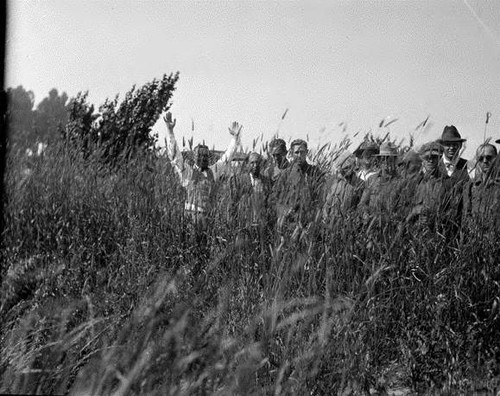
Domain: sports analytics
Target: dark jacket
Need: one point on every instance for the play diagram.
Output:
(250, 202)
(297, 193)
(460, 173)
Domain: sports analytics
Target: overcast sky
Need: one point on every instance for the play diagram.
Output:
(328, 62)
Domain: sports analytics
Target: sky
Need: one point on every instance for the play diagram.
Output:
(339, 67)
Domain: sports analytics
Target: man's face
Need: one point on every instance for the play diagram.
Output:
(254, 165)
(299, 154)
(451, 149)
(413, 167)
(202, 158)
(485, 158)
(348, 167)
(430, 161)
(366, 159)
(388, 165)
(279, 157)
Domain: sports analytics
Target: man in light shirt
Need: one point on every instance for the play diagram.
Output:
(198, 178)
(366, 157)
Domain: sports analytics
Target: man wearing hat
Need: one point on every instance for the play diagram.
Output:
(430, 191)
(382, 189)
(456, 168)
(451, 163)
(366, 159)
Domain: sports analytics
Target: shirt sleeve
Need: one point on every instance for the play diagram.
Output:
(227, 156)
(174, 154)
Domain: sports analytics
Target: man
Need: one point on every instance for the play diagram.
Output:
(198, 178)
(473, 195)
(297, 191)
(345, 190)
(278, 151)
(250, 191)
(366, 157)
(451, 163)
(381, 188)
(455, 168)
(251, 187)
(430, 190)
(410, 164)
(485, 155)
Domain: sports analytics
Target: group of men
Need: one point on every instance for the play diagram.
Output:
(378, 180)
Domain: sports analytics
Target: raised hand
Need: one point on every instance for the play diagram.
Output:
(235, 129)
(168, 121)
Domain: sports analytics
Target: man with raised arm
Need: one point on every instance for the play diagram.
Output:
(198, 179)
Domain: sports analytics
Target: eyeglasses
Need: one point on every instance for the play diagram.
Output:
(487, 158)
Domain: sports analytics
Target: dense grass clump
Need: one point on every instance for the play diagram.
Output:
(107, 289)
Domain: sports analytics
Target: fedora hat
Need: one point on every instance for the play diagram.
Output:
(387, 150)
(450, 134)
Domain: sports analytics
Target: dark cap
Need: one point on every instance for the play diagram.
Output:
(430, 148)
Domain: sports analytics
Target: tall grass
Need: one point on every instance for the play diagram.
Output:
(107, 290)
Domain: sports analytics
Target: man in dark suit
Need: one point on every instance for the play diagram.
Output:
(297, 192)
(455, 167)
(250, 190)
(278, 151)
(451, 163)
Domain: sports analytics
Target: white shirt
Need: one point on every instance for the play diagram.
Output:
(450, 165)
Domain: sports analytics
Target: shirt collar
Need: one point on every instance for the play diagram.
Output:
(447, 162)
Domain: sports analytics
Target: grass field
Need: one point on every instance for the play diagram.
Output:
(106, 291)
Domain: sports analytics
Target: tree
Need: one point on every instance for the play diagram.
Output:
(121, 130)
(51, 116)
(20, 117)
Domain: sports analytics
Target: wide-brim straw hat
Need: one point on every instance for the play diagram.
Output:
(387, 150)
(450, 135)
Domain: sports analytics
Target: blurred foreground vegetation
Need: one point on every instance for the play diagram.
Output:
(100, 294)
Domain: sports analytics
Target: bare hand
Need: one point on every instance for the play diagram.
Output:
(168, 121)
(235, 129)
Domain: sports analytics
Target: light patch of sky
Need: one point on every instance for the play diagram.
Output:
(328, 62)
